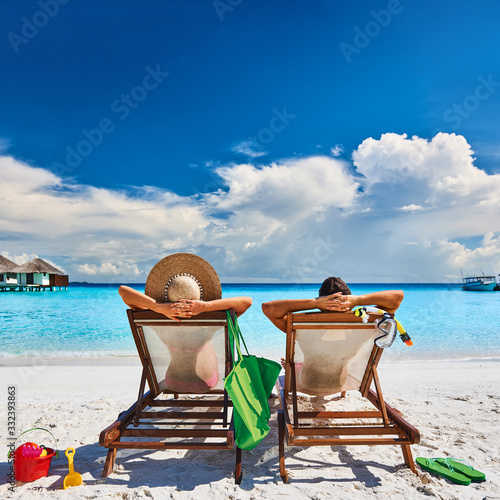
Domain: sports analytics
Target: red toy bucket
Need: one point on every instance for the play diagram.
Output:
(28, 469)
(31, 468)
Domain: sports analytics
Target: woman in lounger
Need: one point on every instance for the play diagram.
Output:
(182, 286)
(184, 307)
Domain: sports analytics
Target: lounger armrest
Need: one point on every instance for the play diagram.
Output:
(148, 314)
(109, 434)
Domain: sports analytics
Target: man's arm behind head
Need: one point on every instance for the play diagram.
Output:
(388, 300)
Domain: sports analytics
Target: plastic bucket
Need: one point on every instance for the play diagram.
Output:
(28, 469)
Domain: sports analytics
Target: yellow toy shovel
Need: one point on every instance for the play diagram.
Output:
(73, 478)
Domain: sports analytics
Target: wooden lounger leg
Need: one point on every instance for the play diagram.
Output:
(237, 471)
(281, 446)
(408, 457)
(109, 463)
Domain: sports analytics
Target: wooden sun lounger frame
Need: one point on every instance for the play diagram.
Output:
(391, 429)
(136, 422)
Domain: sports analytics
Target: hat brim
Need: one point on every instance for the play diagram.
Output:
(179, 264)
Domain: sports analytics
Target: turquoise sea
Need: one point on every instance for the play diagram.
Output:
(444, 321)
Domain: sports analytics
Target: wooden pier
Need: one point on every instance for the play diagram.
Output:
(30, 288)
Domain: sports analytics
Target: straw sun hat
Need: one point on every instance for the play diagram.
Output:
(183, 276)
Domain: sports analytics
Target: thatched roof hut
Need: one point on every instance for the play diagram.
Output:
(36, 266)
(6, 265)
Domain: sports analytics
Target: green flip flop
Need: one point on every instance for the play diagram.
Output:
(462, 466)
(432, 466)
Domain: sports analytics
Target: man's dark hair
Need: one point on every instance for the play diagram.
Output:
(333, 285)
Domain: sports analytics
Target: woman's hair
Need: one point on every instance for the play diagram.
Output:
(333, 285)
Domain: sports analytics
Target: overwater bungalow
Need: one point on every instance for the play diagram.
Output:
(7, 276)
(35, 275)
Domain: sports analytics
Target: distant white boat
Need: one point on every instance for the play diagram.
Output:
(480, 283)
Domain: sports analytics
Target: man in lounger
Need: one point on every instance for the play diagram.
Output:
(334, 296)
(181, 286)
(320, 378)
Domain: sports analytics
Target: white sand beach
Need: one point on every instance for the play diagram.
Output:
(455, 405)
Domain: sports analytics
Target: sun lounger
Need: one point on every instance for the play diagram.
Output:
(327, 354)
(186, 406)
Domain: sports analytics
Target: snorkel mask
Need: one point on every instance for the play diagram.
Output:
(387, 325)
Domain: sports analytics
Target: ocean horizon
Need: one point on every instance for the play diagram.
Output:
(89, 320)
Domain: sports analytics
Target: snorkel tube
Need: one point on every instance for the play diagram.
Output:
(362, 312)
(403, 335)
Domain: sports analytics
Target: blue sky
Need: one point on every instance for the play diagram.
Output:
(202, 113)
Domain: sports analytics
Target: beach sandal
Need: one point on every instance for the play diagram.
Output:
(431, 465)
(462, 466)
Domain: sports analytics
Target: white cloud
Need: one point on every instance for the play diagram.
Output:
(412, 208)
(4, 145)
(249, 148)
(439, 172)
(301, 219)
(285, 191)
(20, 179)
(20, 258)
(489, 248)
(109, 269)
(81, 222)
(337, 150)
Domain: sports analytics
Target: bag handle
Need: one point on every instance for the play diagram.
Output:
(231, 335)
(235, 332)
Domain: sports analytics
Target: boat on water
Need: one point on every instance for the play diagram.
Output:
(480, 283)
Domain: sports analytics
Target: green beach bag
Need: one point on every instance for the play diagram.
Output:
(249, 386)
